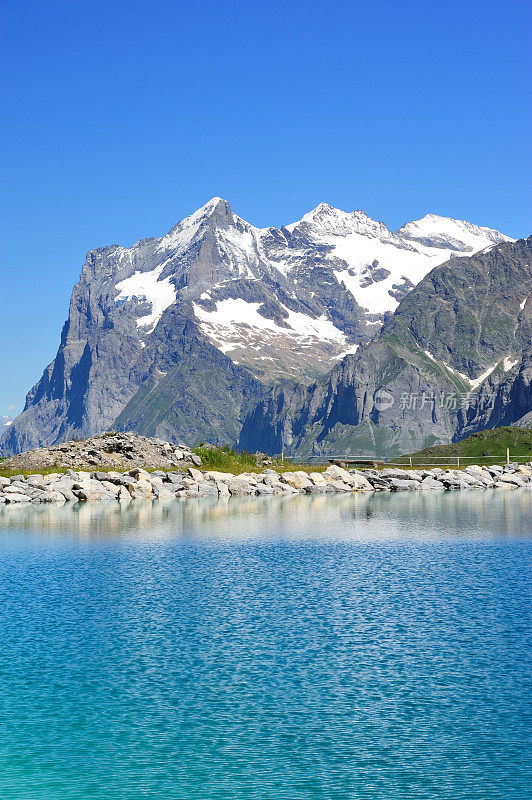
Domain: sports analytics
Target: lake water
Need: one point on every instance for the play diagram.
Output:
(329, 647)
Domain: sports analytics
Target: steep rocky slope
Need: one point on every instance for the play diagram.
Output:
(452, 359)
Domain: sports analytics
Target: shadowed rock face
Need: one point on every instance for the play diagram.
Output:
(501, 401)
(419, 382)
(179, 336)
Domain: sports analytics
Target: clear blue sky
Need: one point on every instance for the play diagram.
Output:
(121, 117)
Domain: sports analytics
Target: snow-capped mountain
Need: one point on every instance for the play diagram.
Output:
(179, 334)
(322, 285)
(378, 267)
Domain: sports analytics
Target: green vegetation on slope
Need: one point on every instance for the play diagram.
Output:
(487, 446)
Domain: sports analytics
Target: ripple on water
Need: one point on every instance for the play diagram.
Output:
(346, 647)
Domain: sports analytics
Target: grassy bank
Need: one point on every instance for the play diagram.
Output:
(224, 459)
(484, 447)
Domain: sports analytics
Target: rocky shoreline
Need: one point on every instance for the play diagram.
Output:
(188, 482)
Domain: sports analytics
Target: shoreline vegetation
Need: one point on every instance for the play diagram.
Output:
(125, 467)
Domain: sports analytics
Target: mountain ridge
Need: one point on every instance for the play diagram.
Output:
(474, 313)
(260, 305)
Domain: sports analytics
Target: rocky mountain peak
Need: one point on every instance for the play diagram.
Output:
(327, 220)
(214, 212)
(453, 234)
(217, 214)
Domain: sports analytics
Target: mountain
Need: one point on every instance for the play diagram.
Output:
(455, 357)
(5, 422)
(182, 335)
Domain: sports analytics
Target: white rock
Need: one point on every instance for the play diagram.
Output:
(336, 473)
(513, 479)
(431, 483)
(17, 497)
(112, 488)
(300, 481)
(196, 474)
(141, 489)
(223, 491)
(474, 470)
(213, 475)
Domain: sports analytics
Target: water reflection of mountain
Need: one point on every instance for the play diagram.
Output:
(357, 517)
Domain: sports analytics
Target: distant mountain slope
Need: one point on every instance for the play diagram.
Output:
(460, 338)
(258, 305)
(192, 391)
(5, 422)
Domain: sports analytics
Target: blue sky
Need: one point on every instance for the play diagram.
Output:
(121, 117)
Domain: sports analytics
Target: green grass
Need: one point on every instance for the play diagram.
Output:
(488, 446)
(8, 473)
(225, 459)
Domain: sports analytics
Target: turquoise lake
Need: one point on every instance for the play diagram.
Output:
(328, 647)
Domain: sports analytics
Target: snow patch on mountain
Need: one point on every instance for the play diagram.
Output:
(457, 235)
(147, 286)
(446, 366)
(239, 249)
(349, 352)
(475, 383)
(235, 319)
(509, 362)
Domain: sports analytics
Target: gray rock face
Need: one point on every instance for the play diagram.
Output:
(517, 480)
(238, 487)
(502, 400)
(431, 483)
(177, 336)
